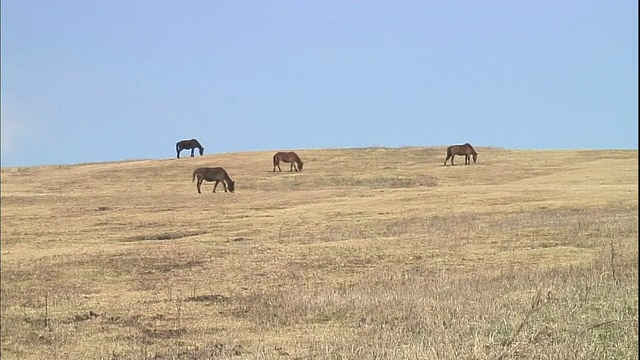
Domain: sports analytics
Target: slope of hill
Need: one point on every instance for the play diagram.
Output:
(366, 253)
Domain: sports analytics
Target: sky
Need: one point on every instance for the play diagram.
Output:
(101, 81)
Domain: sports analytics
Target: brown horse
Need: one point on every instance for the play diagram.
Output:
(217, 174)
(287, 157)
(189, 144)
(466, 149)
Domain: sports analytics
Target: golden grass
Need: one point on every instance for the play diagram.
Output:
(367, 253)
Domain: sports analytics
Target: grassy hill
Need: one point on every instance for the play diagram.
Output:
(367, 253)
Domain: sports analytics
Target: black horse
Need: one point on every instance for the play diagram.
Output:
(465, 149)
(188, 144)
(217, 174)
(287, 157)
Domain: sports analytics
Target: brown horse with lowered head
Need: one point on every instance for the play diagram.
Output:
(189, 144)
(217, 174)
(287, 157)
(465, 149)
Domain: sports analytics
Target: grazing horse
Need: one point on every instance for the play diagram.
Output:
(287, 157)
(466, 149)
(217, 174)
(188, 144)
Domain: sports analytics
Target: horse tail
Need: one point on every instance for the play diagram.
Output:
(275, 159)
(193, 178)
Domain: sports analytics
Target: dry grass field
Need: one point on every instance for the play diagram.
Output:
(375, 253)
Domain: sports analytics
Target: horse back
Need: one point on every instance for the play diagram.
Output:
(210, 174)
(188, 144)
(217, 173)
(286, 156)
(463, 149)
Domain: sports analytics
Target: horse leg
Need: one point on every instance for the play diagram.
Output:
(178, 151)
(192, 152)
(224, 184)
(198, 185)
(276, 163)
(452, 156)
(447, 159)
(215, 185)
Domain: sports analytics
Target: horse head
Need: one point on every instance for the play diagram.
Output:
(475, 157)
(231, 185)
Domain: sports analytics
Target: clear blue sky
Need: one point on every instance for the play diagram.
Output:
(93, 81)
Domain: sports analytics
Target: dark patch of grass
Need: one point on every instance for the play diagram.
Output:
(208, 298)
(164, 236)
(156, 333)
